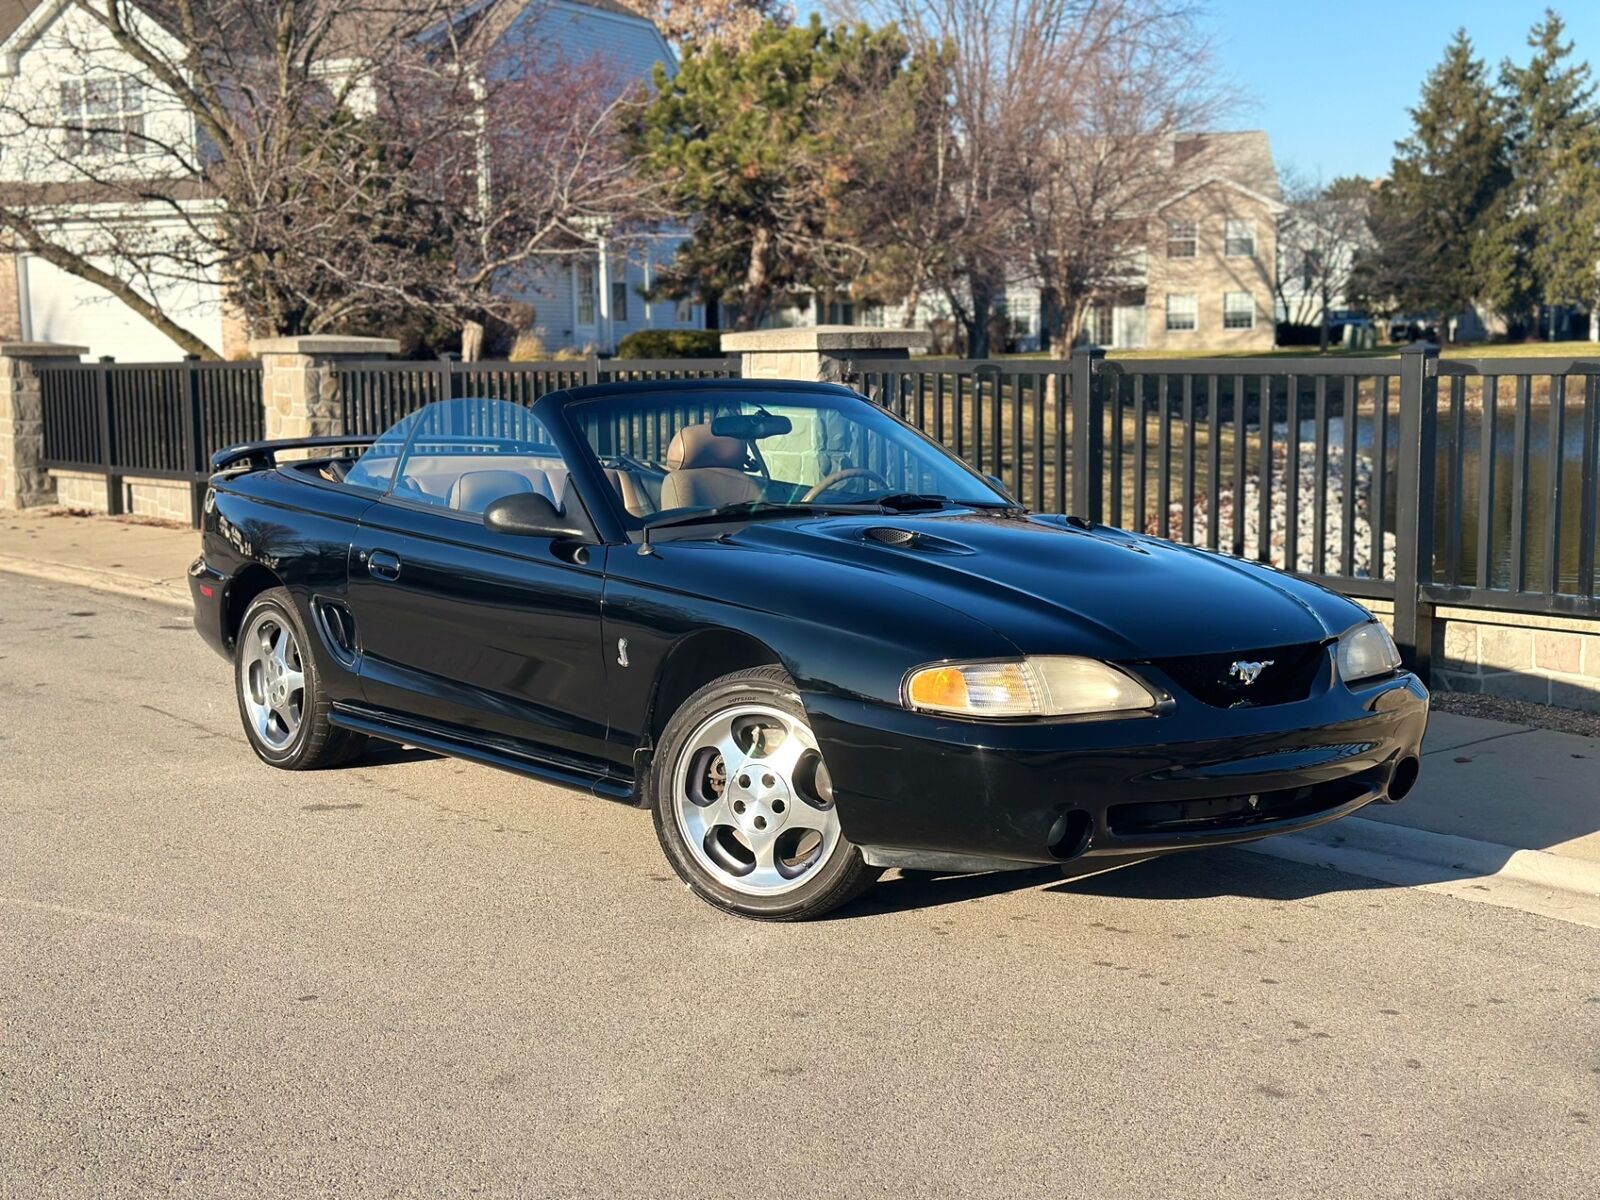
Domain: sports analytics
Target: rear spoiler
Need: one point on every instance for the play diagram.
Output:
(257, 456)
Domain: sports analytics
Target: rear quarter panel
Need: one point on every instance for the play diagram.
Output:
(295, 530)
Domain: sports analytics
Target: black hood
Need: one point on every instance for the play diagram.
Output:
(1050, 586)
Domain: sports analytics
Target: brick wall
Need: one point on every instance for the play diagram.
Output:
(1520, 656)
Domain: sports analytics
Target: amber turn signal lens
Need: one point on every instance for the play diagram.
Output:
(942, 687)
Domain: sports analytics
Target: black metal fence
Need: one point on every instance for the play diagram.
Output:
(1413, 479)
(150, 420)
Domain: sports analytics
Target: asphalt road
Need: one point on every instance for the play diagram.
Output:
(421, 977)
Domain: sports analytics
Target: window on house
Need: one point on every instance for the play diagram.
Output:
(1240, 239)
(586, 292)
(1183, 313)
(1183, 239)
(683, 312)
(619, 300)
(1100, 325)
(102, 117)
(1238, 310)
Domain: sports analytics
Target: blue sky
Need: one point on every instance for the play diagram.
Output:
(1331, 82)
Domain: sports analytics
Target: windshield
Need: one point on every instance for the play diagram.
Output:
(673, 456)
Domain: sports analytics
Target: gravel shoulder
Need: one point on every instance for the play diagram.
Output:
(1519, 712)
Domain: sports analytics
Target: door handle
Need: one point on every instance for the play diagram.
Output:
(383, 565)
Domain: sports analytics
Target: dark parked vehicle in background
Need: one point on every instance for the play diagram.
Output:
(813, 643)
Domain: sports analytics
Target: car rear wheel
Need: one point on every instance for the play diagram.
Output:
(744, 804)
(282, 702)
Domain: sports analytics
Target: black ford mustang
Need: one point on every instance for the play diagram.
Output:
(811, 641)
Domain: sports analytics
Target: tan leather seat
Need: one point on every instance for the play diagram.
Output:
(474, 491)
(634, 498)
(704, 471)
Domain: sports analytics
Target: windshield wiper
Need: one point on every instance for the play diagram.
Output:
(759, 508)
(914, 501)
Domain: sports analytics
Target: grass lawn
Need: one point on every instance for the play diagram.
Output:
(1466, 350)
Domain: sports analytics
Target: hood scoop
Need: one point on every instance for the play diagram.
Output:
(888, 535)
(897, 538)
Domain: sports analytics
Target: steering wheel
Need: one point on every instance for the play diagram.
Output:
(838, 477)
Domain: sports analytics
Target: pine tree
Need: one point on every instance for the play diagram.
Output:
(1554, 138)
(1433, 215)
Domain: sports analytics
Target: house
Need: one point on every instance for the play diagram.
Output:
(1204, 280)
(585, 301)
(1212, 251)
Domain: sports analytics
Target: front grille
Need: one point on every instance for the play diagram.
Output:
(1222, 813)
(1292, 673)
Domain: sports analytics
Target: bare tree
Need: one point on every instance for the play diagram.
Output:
(1322, 234)
(1116, 82)
(334, 165)
(968, 194)
(730, 23)
(1062, 117)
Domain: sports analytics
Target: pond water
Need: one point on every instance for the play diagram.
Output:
(1464, 528)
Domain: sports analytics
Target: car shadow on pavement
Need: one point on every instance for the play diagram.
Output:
(1206, 874)
(392, 754)
(1195, 875)
(908, 890)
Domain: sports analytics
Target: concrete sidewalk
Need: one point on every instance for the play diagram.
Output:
(131, 556)
(1503, 813)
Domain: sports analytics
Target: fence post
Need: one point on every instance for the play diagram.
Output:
(194, 430)
(300, 382)
(818, 352)
(1088, 432)
(108, 436)
(1414, 504)
(23, 482)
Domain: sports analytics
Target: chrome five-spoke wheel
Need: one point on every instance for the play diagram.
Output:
(274, 682)
(754, 801)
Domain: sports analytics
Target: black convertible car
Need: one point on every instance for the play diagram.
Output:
(813, 643)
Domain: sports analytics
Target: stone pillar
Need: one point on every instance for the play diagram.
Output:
(298, 383)
(24, 483)
(818, 352)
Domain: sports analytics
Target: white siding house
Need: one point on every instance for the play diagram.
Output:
(578, 301)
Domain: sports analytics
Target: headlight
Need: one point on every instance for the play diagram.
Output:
(1033, 687)
(1365, 651)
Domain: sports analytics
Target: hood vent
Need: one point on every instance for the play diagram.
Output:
(888, 535)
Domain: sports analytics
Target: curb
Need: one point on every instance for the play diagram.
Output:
(1535, 881)
(163, 591)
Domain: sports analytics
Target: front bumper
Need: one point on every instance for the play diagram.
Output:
(910, 784)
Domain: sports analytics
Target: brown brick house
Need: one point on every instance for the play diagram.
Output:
(1208, 264)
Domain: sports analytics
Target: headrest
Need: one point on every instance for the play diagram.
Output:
(476, 490)
(695, 446)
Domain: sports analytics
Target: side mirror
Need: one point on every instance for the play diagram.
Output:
(530, 514)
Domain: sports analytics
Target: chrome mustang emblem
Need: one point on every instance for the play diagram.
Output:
(1248, 672)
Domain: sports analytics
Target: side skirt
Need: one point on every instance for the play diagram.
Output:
(453, 744)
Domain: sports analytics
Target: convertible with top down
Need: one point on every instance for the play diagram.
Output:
(813, 643)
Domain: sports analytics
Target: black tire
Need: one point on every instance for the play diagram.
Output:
(314, 743)
(831, 883)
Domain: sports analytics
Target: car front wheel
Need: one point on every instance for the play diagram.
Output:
(744, 804)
